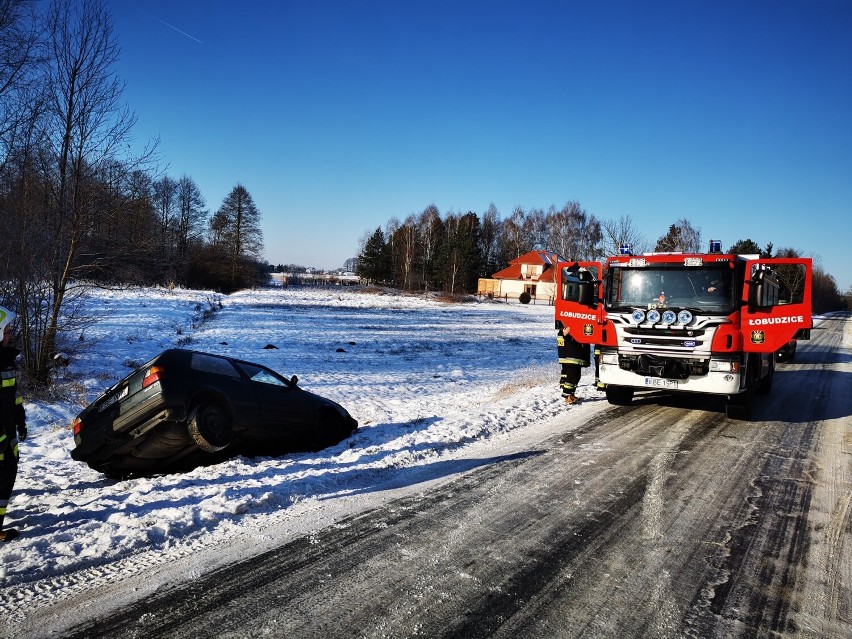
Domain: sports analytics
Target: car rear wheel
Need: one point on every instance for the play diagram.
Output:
(210, 427)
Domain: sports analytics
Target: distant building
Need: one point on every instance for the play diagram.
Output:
(533, 273)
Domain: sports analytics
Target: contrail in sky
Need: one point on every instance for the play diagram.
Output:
(171, 26)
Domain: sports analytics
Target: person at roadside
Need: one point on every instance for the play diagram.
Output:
(573, 356)
(13, 424)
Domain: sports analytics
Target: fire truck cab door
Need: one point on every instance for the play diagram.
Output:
(578, 300)
(776, 303)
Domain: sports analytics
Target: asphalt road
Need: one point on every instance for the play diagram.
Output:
(662, 519)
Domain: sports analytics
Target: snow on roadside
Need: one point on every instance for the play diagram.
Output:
(425, 379)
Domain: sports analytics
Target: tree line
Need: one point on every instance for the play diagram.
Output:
(431, 251)
(450, 252)
(76, 207)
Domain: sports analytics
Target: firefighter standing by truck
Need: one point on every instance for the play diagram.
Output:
(12, 420)
(573, 356)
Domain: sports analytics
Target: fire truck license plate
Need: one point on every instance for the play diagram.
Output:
(659, 382)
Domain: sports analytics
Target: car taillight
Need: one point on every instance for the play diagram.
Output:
(77, 425)
(152, 375)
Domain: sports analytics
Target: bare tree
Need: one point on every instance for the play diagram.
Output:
(459, 260)
(391, 227)
(534, 229)
(165, 203)
(681, 236)
(84, 124)
(622, 232)
(430, 227)
(514, 242)
(490, 238)
(405, 252)
(18, 45)
(21, 106)
(792, 276)
(566, 227)
(192, 216)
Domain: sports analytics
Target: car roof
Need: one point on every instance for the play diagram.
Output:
(170, 351)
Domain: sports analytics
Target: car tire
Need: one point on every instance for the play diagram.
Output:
(210, 427)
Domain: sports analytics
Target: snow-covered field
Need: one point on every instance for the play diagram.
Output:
(430, 383)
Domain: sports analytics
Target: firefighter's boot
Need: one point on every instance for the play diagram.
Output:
(6, 534)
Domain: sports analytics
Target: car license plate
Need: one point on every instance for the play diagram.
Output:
(112, 400)
(659, 382)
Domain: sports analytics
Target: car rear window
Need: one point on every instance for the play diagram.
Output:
(210, 364)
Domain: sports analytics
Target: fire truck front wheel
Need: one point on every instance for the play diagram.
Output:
(740, 406)
(764, 387)
(619, 395)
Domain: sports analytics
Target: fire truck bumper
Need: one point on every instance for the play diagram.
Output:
(714, 382)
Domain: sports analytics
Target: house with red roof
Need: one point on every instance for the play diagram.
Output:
(530, 277)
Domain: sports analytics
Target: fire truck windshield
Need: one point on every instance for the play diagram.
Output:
(703, 290)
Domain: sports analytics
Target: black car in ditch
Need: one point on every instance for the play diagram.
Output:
(187, 408)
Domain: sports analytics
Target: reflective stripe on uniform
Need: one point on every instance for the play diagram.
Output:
(572, 360)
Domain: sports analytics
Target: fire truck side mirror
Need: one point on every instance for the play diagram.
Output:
(763, 292)
(586, 293)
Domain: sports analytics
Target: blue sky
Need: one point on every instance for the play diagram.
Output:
(337, 116)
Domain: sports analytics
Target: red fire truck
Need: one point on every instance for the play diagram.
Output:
(697, 322)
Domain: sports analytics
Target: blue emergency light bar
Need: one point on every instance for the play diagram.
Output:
(715, 246)
(626, 249)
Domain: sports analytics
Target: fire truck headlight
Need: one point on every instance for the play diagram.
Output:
(669, 317)
(684, 317)
(638, 316)
(653, 316)
(609, 358)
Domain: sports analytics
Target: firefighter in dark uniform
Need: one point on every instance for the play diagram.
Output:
(573, 356)
(12, 420)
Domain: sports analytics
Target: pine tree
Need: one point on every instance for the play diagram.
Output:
(374, 262)
(236, 231)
